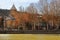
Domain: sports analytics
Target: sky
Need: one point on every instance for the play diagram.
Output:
(7, 4)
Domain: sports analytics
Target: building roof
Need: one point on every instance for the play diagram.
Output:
(4, 12)
(13, 7)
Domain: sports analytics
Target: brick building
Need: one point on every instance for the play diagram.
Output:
(14, 19)
(18, 20)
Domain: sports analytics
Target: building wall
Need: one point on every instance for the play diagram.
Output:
(22, 17)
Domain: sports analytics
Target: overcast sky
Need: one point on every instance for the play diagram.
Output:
(6, 4)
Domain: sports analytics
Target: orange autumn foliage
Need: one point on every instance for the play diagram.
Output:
(23, 17)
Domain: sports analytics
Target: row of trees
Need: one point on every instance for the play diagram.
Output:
(43, 6)
(48, 7)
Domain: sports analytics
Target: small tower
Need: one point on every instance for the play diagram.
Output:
(13, 7)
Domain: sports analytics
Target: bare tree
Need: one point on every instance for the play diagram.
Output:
(55, 7)
(43, 6)
(31, 8)
(21, 9)
(54, 11)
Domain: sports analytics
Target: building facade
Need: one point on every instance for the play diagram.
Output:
(13, 19)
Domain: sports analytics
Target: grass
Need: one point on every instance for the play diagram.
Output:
(29, 36)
